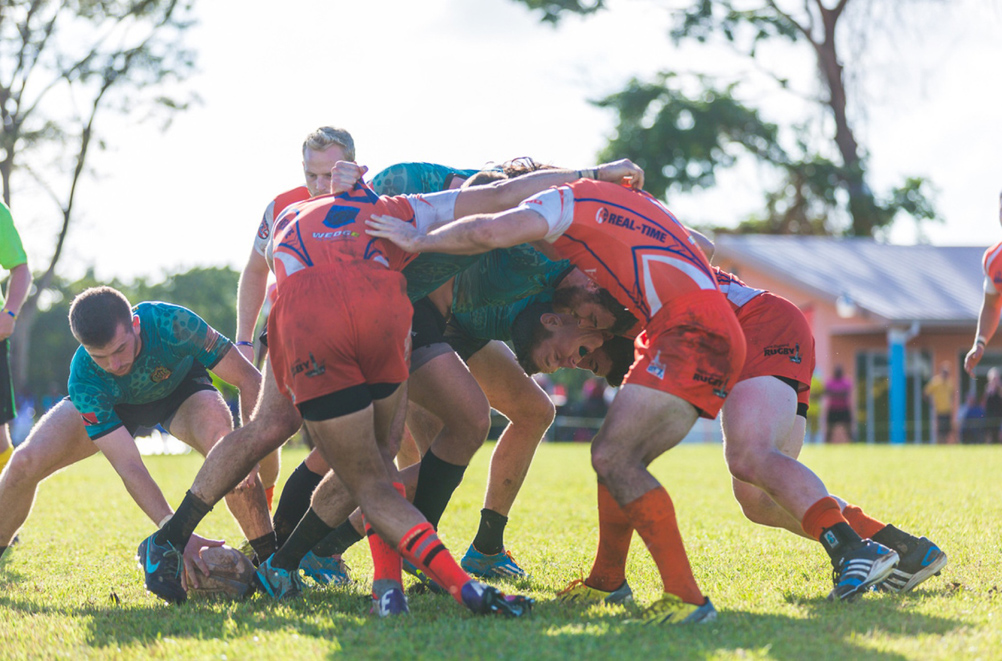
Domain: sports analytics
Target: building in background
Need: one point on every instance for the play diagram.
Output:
(888, 314)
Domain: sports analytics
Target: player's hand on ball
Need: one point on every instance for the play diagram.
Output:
(192, 557)
(620, 171)
(395, 230)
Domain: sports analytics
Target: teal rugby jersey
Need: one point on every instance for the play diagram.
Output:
(428, 271)
(172, 337)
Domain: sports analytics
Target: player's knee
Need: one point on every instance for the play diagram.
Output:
(25, 467)
(537, 413)
(605, 461)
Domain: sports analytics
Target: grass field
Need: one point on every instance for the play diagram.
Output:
(71, 588)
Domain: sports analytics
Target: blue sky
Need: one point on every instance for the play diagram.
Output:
(462, 83)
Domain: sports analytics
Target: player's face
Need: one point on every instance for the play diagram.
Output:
(317, 166)
(118, 356)
(591, 314)
(598, 361)
(566, 346)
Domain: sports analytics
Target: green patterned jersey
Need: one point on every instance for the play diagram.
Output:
(428, 271)
(505, 275)
(495, 322)
(172, 338)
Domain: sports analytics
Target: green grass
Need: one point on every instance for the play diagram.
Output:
(72, 589)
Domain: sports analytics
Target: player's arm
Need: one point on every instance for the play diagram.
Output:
(17, 292)
(235, 369)
(250, 297)
(505, 194)
(467, 236)
(120, 449)
(988, 322)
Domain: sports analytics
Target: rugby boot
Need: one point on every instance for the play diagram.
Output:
(486, 600)
(670, 609)
(499, 565)
(162, 566)
(578, 592)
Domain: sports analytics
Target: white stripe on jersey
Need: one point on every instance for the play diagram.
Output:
(738, 293)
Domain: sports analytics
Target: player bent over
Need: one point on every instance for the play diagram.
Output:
(136, 367)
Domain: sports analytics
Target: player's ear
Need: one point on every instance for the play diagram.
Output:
(551, 320)
(135, 322)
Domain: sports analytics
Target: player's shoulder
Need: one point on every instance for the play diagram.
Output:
(992, 257)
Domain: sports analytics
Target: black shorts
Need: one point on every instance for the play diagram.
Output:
(839, 416)
(7, 409)
(427, 334)
(139, 418)
(462, 342)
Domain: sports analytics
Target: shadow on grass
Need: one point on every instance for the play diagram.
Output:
(825, 630)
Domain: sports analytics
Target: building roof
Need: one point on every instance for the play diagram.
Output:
(934, 285)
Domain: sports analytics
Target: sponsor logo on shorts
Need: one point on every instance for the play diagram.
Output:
(309, 367)
(340, 235)
(714, 380)
(89, 418)
(657, 368)
(160, 374)
(784, 350)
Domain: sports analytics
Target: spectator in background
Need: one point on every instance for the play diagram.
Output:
(940, 392)
(993, 405)
(13, 259)
(972, 421)
(838, 397)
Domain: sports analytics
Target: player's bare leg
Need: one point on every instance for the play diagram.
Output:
(758, 416)
(57, 441)
(202, 421)
(530, 412)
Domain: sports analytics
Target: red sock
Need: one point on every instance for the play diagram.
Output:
(823, 514)
(865, 526)
(653, 516)
(422, 547)
(269, 495)
(386, 562)
(614, 534)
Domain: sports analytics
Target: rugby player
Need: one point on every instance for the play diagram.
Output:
(991, 305)
(13, 259)
(689, 353)
(764, 421)
(232, 457)
(137, 367)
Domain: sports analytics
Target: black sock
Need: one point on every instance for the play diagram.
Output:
(338, 541)
(295, 500)
(895, 539)
(306, 535)
(838, 539)
(264, 546)
(437, 480)
(490, 536)
(179, 527)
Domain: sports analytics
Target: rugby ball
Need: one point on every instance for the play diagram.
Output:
(231, 574)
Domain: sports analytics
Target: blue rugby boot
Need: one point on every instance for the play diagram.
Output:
(162, 566)
(324, 570)
(860, 567)
(499, 565)
(278, 583)
(920, 560)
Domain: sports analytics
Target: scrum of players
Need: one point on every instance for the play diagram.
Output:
(398, 300)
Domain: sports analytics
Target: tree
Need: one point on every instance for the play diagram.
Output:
(683, 138)
(63, 65)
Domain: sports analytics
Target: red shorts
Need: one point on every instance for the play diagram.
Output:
(779, 340)
(693, 348)
(337, 326)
